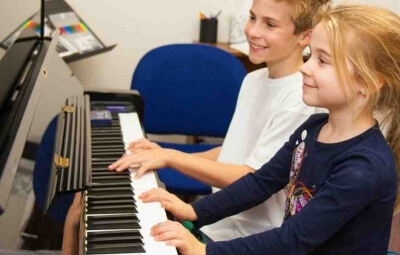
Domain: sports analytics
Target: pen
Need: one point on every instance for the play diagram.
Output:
(216, 16)
(201, 15)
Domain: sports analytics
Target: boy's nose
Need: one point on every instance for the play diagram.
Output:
(253, 30)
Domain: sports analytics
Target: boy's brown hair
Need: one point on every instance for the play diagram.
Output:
(304, 12)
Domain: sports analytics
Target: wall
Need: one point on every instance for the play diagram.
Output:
(136, 27)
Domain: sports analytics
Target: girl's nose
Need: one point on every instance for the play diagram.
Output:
(305, 69)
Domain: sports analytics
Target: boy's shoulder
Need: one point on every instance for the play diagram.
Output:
(257, 74)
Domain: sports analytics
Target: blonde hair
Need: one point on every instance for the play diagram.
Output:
(370, 38)
(304, 12)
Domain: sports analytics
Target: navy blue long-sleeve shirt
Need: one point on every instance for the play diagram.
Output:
(340, 199)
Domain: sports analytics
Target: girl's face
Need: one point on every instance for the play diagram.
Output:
(320, 83)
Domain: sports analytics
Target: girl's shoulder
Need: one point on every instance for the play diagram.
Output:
(314, 122)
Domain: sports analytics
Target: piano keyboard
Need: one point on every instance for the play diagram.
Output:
(116, 221)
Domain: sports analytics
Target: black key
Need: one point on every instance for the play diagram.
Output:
(116, 154)
(115, 250)
(105, 147)
(109, 222)
(106, 143)
(111, 209)
(106, 172)
(111, 191)
(111, 178)
(114, 236)
(106, 160)
(106, 201)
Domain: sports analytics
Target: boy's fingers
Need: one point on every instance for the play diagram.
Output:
(143, 168)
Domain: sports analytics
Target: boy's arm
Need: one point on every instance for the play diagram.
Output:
(210, 154)
(208, 171)
(211, 172)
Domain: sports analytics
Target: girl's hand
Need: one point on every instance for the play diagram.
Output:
(142, 144)
(176, 235)
(171, 203)
(145, 160)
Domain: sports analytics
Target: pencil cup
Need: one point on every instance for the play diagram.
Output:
(208, 30)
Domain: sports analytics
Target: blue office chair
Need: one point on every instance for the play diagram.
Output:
(188, 89)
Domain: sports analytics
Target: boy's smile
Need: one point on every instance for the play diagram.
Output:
(270, 34)
(255, 47)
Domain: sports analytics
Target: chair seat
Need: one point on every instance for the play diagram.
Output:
(179, 183)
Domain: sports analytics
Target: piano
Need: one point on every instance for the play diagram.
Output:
(114, 220)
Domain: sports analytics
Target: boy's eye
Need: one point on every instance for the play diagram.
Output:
(252, 18)
(270, 24)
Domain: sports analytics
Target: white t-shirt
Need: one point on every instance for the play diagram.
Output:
(267, 112)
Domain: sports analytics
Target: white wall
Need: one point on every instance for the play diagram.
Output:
(14, 12)
(137, 27)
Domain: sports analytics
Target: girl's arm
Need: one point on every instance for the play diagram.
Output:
(350, 188)
(249, 191)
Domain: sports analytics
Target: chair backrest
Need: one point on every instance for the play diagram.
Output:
(188, 89)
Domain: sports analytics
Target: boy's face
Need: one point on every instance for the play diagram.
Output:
(321, 86)
(270, 31)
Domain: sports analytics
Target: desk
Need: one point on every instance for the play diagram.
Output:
(242, 57)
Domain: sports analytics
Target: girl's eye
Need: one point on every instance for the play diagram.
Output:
(252, 18)
(269, 24)
(322, 61)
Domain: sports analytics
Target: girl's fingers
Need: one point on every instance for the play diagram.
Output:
(171, 207)
(175, 242)
(155, 198)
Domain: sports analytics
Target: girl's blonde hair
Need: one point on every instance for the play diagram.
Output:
(370, 38)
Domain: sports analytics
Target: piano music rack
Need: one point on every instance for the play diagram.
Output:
(72, 164)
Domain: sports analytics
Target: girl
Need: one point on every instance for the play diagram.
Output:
(341, 173)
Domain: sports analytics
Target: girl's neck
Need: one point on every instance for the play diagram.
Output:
(285, 67)
(343, 126)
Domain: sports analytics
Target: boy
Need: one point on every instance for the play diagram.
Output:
(268, 110)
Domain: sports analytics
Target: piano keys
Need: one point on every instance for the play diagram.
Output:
(114, 220)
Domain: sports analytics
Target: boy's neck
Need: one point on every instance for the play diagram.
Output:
(286, 66)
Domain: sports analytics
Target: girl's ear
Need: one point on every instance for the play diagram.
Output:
(381, 81)
(305, 38)
(363, 87)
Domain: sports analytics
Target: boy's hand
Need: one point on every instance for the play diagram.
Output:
(171, 203)
(145, 160)
(176, 235)
(142, 144)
